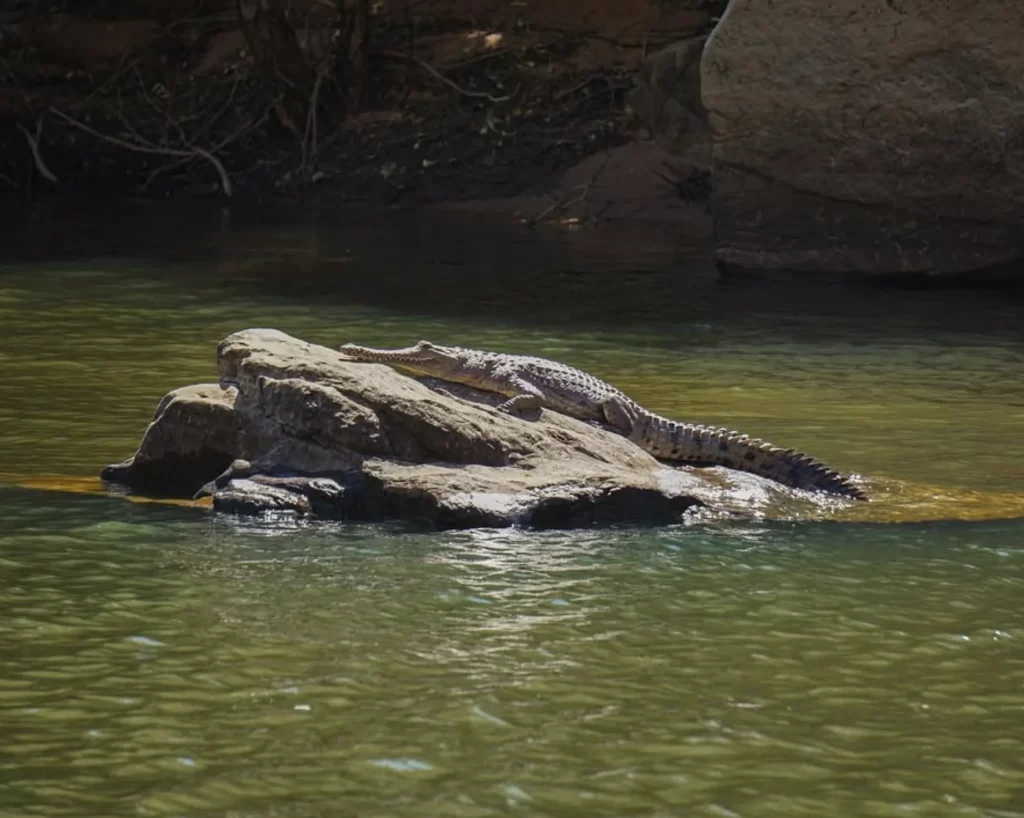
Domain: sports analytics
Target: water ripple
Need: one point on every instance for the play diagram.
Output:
(175, 666)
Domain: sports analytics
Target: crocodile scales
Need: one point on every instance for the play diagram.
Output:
(532, 383)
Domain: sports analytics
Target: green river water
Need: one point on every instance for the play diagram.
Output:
(158, 660)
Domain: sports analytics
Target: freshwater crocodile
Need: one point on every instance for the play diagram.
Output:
(532, 383)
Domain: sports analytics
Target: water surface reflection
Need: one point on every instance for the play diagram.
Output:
(156, 661)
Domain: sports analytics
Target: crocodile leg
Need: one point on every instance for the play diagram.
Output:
(619, 414)
(526, 397)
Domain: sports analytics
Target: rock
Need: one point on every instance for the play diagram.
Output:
(667, 100)
(295, 428)
(867, 137)
(194, 433)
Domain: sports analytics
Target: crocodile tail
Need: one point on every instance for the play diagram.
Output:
(707, 445)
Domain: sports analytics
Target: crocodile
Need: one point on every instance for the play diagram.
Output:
(532, 383)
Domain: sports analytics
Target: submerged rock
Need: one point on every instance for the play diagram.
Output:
(293, 427)
(867, 137)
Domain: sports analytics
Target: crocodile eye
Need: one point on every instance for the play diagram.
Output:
(424, 345)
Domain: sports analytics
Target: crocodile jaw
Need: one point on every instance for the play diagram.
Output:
(424, 358)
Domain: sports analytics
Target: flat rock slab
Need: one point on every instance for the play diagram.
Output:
(292, 427)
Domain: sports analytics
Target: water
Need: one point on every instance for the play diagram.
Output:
(157, 660)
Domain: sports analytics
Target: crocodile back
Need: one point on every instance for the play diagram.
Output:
(569, 390)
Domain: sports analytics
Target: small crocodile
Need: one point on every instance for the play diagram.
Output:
(532, 383)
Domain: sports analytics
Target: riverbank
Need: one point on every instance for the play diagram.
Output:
(527, 115)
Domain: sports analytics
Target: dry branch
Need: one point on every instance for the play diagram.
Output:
(191, 152)
(567, 200)
(227, 140)
(438, 75)
(573, 196)
(309, 138)
(33, 145)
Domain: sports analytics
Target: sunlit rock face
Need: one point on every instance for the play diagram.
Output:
(867, 137)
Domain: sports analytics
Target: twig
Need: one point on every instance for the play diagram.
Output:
(164, 112)
(33, 145)
(238, 134)
(162, 169)
(9, 180)
(486, 55)
(568, 199)
(578, 86)
(122, 68)
(212, 120)
(438, 75)
(309, 138)
(563, 202)
(128, 125)
(225, 180)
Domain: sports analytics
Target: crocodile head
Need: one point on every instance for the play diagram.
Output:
(424, 358)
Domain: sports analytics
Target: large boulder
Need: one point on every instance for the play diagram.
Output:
(870, 137)
(293, 427)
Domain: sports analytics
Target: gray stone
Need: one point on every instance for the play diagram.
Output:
(195, 430)
(294, 428)
(867, 137)
(667, 100)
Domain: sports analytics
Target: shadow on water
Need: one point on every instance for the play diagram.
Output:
(485, 267)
